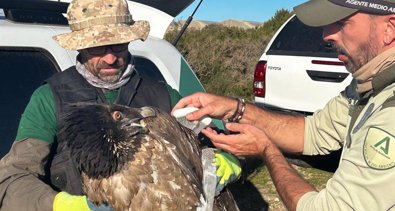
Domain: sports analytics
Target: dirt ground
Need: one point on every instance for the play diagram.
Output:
(258, 193)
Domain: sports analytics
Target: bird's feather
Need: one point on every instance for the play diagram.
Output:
(135, 158)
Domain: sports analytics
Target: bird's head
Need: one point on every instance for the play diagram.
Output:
(103, 137)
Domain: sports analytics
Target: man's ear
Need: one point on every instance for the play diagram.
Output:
(82, 56)
(389, 33)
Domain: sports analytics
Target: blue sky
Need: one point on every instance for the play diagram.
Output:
(249, 10)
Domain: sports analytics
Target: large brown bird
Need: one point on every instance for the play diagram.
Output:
(137, 159)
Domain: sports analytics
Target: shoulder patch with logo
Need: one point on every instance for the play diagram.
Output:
(379, 149)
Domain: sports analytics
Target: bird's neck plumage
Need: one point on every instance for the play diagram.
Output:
(101, 153)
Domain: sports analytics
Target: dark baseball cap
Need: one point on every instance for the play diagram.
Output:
(325, 12)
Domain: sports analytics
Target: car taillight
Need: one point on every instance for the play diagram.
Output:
(260, 79)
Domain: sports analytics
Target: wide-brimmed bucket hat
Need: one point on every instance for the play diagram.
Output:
(325, 12)
(100, 22)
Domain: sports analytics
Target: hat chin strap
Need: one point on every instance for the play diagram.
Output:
(125, 19)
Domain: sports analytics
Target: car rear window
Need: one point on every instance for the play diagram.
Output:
(298, 39)
(22, 70)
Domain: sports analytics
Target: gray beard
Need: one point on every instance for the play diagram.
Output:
(99, 83)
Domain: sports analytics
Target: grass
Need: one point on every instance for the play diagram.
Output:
(258, 193)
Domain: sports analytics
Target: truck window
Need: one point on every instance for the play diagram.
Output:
(297, 39)
(22, 70)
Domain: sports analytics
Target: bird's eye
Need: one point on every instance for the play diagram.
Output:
(117, 115)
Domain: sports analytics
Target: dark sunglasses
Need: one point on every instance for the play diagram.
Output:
(100, 50)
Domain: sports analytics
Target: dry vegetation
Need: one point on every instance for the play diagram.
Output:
(224, 58)
(258, 193)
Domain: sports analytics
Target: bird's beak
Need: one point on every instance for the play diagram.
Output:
(131, 123)
(133, 126)
(143, 112)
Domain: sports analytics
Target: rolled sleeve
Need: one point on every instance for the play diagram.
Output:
(325, 130)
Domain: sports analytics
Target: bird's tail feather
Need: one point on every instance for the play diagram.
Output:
(209, 180)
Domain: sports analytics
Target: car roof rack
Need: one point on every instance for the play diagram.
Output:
(35, 11)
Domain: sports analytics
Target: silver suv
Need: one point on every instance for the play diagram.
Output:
(298, 71)
(28, 55)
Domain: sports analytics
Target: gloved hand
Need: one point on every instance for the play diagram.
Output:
(228, 169)
(66, 202)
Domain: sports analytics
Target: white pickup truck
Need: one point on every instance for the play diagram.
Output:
(298, 71)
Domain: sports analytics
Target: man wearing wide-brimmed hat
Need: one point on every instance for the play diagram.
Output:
(38, 173)
(101, 32)
(35, 175)
(361, 120)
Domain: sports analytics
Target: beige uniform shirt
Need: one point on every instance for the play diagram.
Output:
(365, 178)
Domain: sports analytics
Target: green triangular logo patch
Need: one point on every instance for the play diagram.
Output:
(378, 149)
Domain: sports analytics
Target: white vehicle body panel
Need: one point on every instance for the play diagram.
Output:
(159, 21)
(39, 35)
(165, 56)
(288, 86)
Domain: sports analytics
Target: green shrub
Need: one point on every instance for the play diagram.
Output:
(224, 58)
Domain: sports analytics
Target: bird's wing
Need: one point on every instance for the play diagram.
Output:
(181, 142)
(153, 180)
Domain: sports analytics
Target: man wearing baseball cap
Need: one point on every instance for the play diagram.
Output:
(361, 120)
(38, 173)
